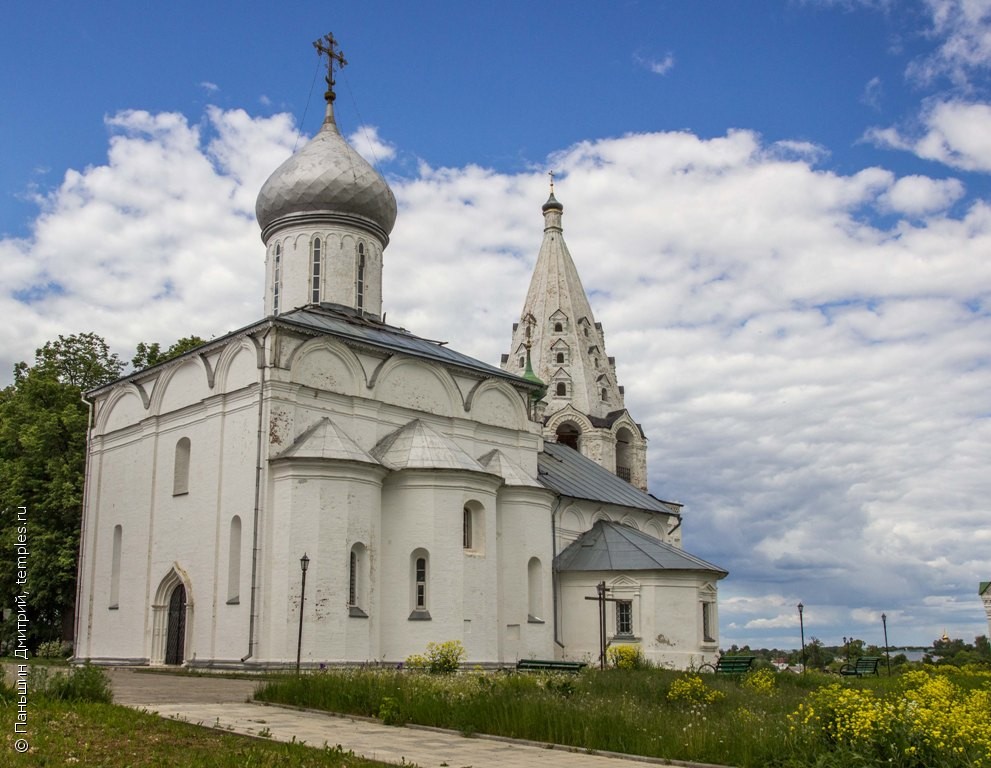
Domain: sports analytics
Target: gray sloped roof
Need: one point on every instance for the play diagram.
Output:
(418, 446)
(351, 327)
(610, 546)
(348, 324)
(325, 440)
(566, 471)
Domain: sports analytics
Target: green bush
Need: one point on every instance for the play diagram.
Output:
(440, 658)
(86, 683)
(627, 657)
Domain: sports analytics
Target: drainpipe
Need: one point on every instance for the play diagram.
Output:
(557, 506)
(82, 528)
(257, 511)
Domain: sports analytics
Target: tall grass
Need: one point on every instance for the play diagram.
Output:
(741, 721)
(84, 683)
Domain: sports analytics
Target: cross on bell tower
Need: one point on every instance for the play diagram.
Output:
(328, 46)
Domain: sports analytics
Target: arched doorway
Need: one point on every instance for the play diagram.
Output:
(175, 640)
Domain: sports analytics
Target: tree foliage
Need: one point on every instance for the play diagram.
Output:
(955, 652)
(43, 423)
(147, 355)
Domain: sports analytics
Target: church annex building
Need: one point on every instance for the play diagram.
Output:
(436, 497)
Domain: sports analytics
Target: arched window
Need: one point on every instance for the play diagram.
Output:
(358, 581)
(360, 287)
(605, 394)
(180, 478)
(624, 454)
(466, 528)
(568, 434)
(115, 569)
(560, 357)
(234, 562)
(535, 591)
(561, 390)
(420, 585)
(558, 327)
(473, 527)
(277, 279)
(315, 264)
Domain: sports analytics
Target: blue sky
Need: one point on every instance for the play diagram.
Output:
(780, 210)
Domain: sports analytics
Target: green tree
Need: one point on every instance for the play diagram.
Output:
(43, 423)
(147, 355)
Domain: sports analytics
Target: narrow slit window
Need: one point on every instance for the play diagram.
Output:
(180, 479)
(466, 528)
(277, 279)
(115, 568)
(421, 584)
(360, 287)
(234, 562)
(315, 271)
(353, 580)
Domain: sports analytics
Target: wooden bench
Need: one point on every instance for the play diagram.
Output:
(865, 665)
(548, 665)
(731, 665)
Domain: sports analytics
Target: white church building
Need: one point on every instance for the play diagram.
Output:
(435, 497)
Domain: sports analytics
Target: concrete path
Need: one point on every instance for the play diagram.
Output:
(224, 703)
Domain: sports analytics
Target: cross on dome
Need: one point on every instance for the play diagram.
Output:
(327, 46)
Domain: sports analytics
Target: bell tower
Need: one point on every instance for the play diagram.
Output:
(583, 406)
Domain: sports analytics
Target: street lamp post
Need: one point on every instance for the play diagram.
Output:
(887, 651)
(801, 623)
(304, 563)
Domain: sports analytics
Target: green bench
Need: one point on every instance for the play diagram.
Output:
(548, 665)
(865, 665)
(731, 665)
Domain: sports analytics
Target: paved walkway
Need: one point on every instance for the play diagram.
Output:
(224, 703)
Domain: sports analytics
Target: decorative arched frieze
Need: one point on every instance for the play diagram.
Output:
(572, 519)
(493, 401)
(568, 414)
(656, 529)
(124, 406)
(326, 364)
(420, 386)
(237, 366)
(184, 384)
(630, 521)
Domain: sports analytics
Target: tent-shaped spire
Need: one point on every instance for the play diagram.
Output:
(567, 345)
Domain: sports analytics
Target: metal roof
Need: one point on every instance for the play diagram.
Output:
(611, 546)
(566, 471)
(348, 324)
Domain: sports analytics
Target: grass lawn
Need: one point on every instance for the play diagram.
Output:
(921, 719)
(83, 734)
